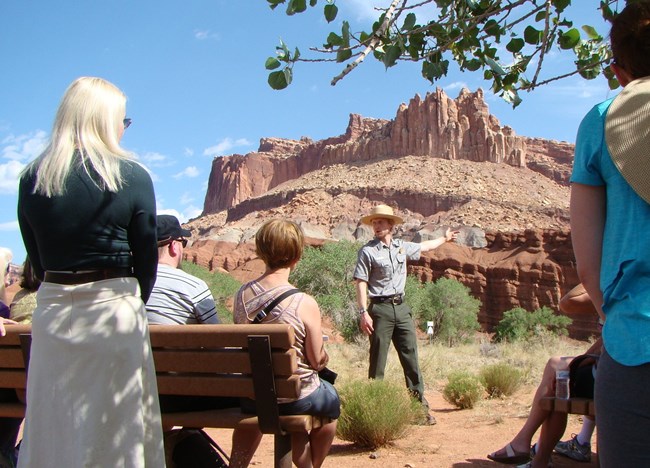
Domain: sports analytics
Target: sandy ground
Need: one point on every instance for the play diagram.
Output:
(461, 438)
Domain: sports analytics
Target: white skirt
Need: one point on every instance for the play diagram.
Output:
(92, 399)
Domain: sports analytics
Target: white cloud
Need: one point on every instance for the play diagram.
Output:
(204, 34)
(456, 85)
(188, 213)
(9, 226)
(186, 198)
(364, 10)
(24, 147)
(155, 159)
(190, 171)
(9, 175)
(188, 152)
(225, 145)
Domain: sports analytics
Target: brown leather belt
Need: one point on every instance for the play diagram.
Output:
(60, 277)
(395, 299)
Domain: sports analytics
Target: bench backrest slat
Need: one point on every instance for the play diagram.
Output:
(204, 336)
(219, 361)
(221, 385)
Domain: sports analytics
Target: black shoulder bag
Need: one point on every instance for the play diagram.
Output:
(325, 373)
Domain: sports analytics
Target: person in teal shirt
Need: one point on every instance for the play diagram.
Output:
(610, 217)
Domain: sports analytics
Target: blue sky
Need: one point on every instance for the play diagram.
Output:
(194, 75)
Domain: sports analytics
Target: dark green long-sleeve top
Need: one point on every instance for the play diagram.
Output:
(88, 228)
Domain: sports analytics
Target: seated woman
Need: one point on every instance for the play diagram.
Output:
(553, 424)
(24, 302)
(279, 244)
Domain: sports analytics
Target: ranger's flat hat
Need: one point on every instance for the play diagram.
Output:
(381, 211)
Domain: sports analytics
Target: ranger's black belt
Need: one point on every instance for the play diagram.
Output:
(395, 299)
(70, 277)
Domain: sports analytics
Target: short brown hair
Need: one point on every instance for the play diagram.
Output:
(630, 39)
(279, 243)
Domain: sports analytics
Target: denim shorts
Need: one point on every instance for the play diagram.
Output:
(324, 401)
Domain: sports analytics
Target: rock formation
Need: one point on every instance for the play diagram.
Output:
(441, 162)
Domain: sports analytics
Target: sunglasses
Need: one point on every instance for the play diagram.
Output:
(127, 123)
(182, 241)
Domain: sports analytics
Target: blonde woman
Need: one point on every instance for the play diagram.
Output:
(279, 244)
(87, 215)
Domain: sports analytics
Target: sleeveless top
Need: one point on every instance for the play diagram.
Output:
(245, 311)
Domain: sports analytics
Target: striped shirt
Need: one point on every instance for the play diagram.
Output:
(179, 298)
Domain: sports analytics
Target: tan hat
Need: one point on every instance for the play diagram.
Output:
(381, 211)
(627, 134)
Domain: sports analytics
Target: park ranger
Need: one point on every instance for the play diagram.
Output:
(380, 276)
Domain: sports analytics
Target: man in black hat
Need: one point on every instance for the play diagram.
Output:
(177, 298)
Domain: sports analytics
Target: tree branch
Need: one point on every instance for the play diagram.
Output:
(371, 45)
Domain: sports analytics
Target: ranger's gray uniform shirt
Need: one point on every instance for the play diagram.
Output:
(179, 298)
(384, 267)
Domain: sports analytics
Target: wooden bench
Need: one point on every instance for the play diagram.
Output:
(254, 361)
(584, 406)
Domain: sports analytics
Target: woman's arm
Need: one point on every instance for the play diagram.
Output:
(588, 203)
(314, 349)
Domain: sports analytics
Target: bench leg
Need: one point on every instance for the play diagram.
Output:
(282, 450)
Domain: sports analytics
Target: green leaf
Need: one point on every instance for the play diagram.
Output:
(296, 55)
(472, 65)
(494, 66)
(277, 80)
(569, 39)
(330, 10)
(515, 45)
(540, 16)
(560, 5)
(343, 54)
(391, 56)
(492, 28)
(288, 75)
(272, 63)
(313, 3)
(334, 40)
(296, 6)
(274, 3)
(532, 35)
(409, 22)
(433, 71)
(592, 33)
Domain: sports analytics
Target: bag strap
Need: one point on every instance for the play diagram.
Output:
(261, 315)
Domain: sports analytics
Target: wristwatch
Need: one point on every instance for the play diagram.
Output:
(362, 311)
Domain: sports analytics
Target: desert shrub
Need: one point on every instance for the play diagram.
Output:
(463, 390)
(500, 379)
(519, 324)
(415, 296)
(326, 273)
(222, 285)
(454, 312)
(375, 412)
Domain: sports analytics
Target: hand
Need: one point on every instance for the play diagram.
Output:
(3, 332)
(451, 235)
(365, 324)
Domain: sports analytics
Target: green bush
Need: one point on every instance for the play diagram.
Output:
(375, 412)
(222, 285)
(454, 312)
(463, 390)
(500, 379)
(519, 324)
(326, 273)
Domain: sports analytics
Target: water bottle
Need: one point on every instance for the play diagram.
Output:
(562, 384)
